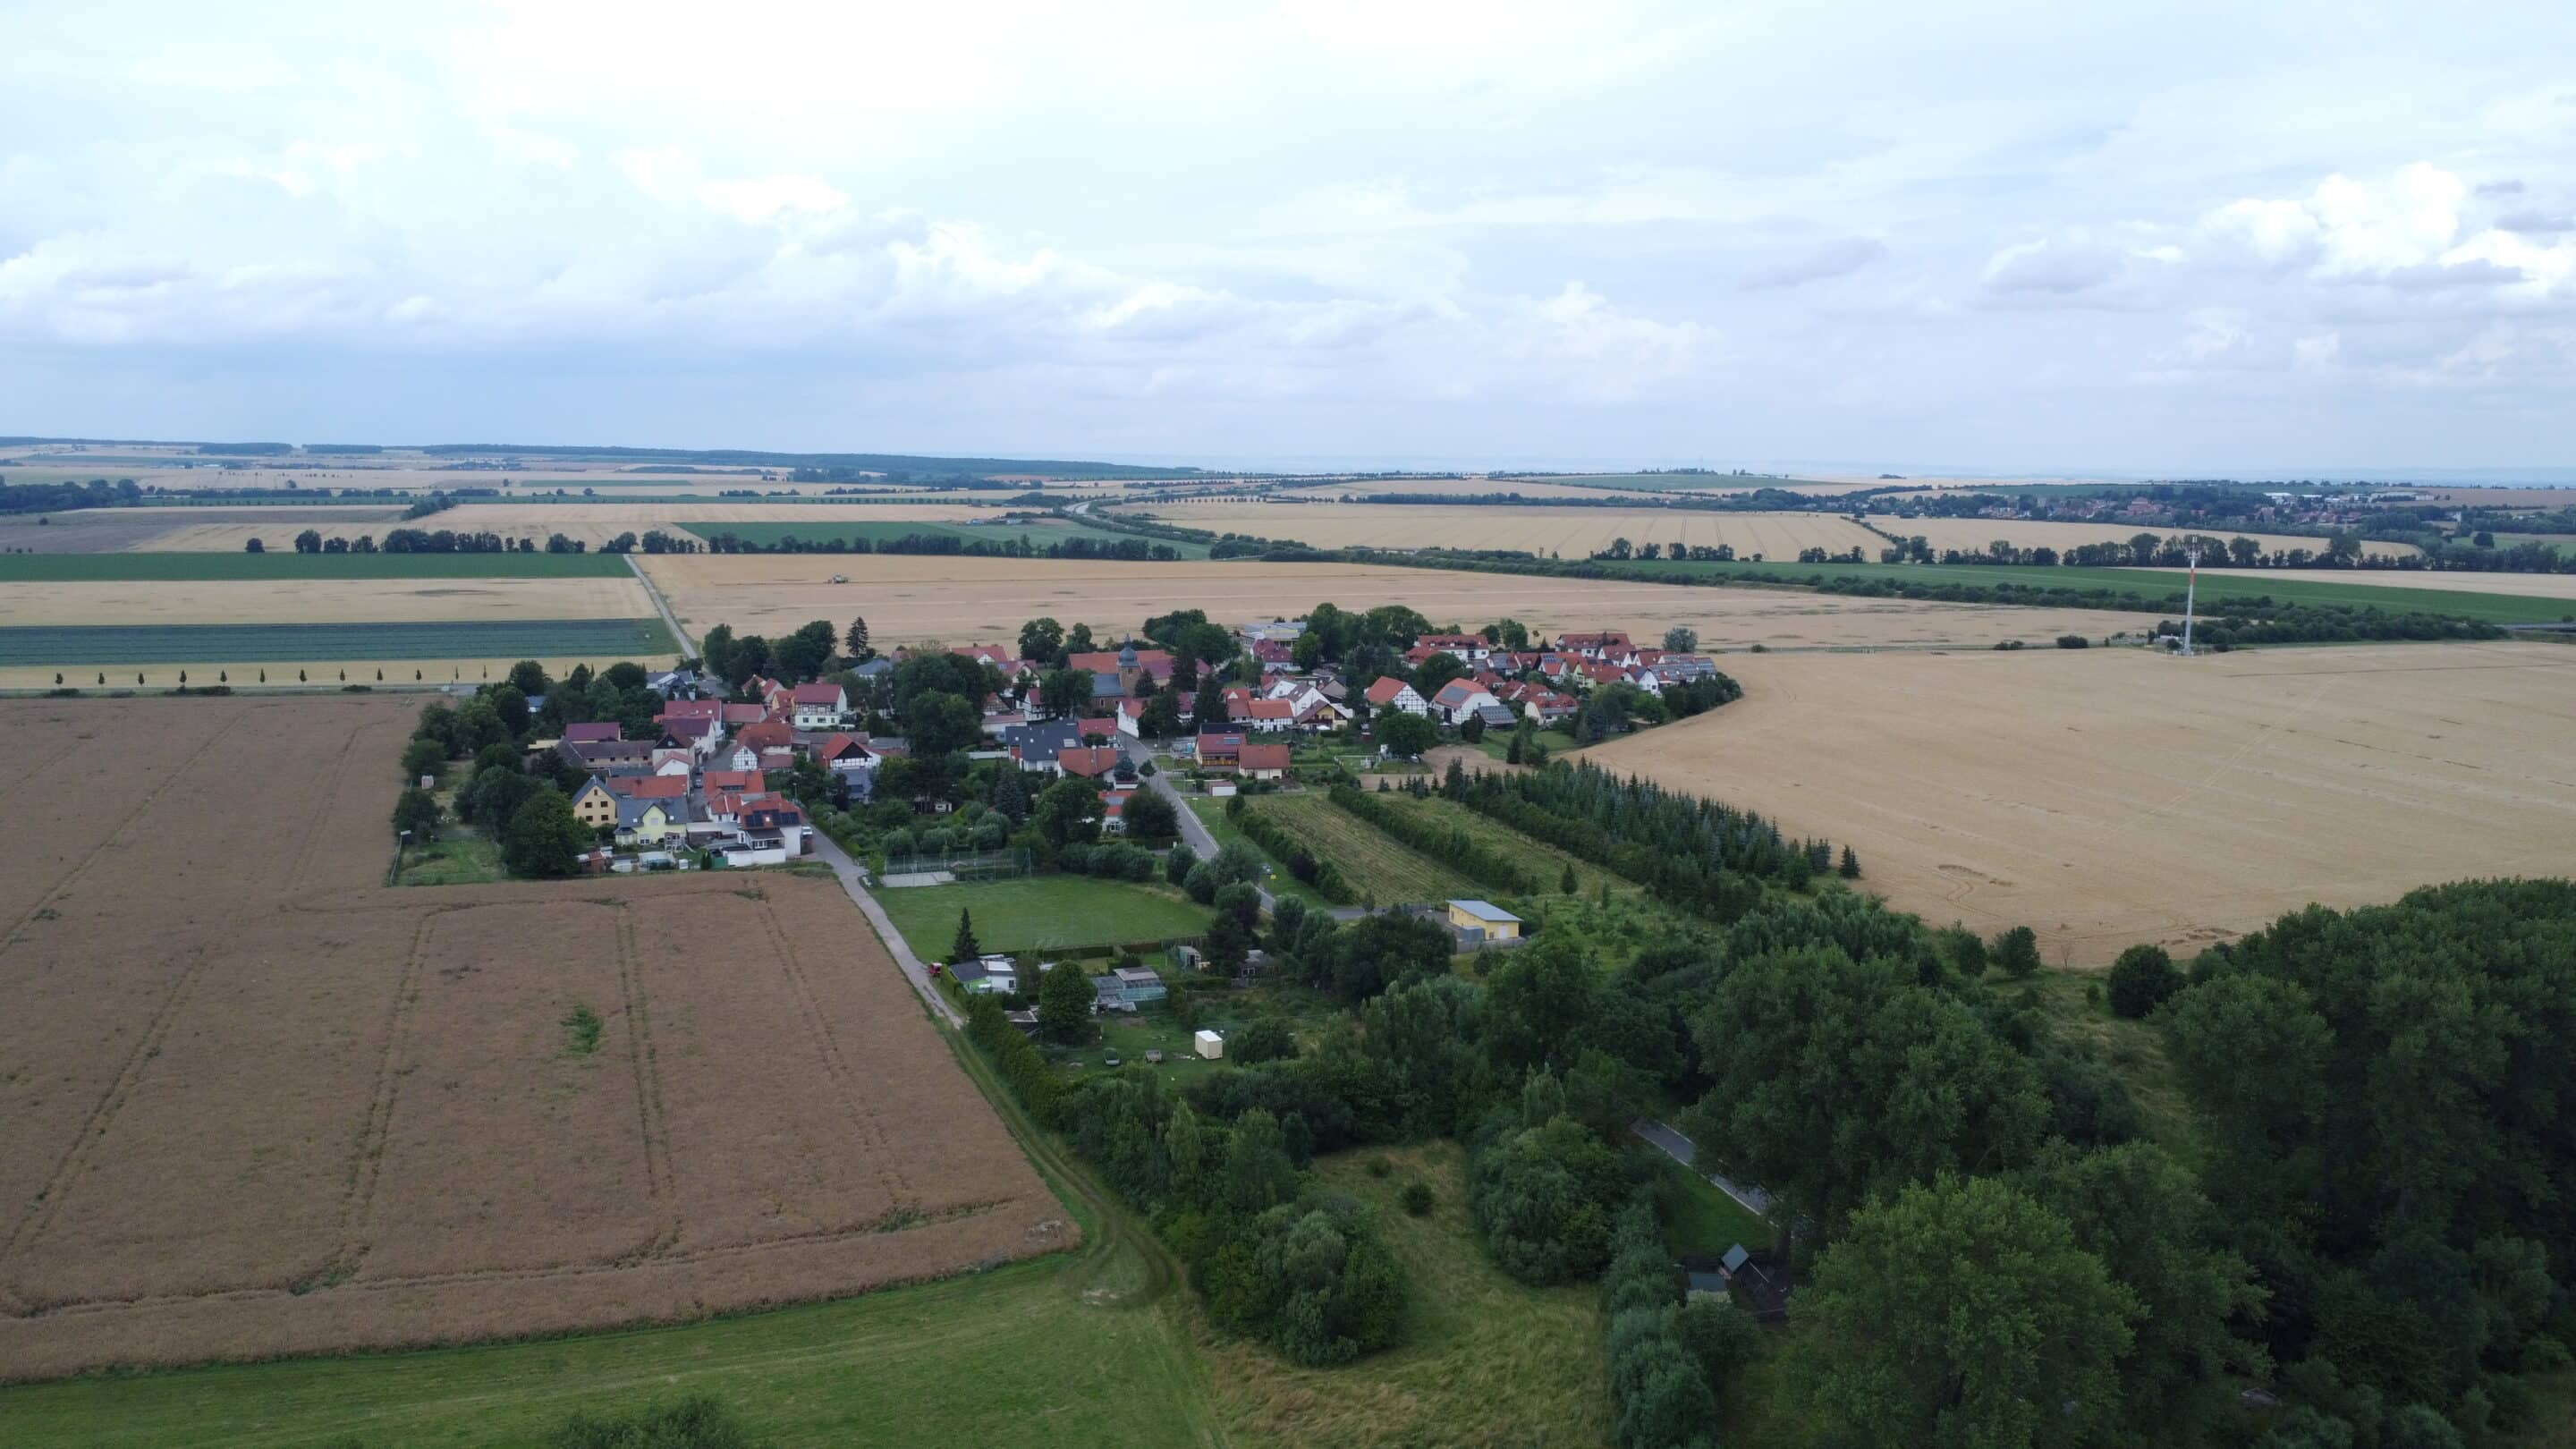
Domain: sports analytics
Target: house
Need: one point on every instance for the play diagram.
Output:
(873, 669)
(1495, 716)
(1088, 762)
(1011, 666)
(734, 716)
(608, 757)
(1465, 648)
(1608, 644)
(1458, 699)
(1037, 745)
(1220, 751)
(1683, 668)
(817, 706)
(1261, 762)
(675, 763)
(734, 782)
(839, 751)
(649, 821)
(991, 976)
(1127, 988)
(595, 732)
(646, 787)
(1104, 726)
(766, 735)
(673, 683)
(1131, 718)
(698, 736)
(1323, 714)
(594, 804)
(1113, 811)
(1391, 692)
(712, 709)
(1272, 656)
(1479, 922)
(735, 759)
(1286, 631)
(1261, 714)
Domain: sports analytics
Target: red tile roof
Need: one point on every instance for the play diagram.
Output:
(818, 694)
(1088, 762)
(769, 734)
(1264, 757)
(649, 787)
(839, 744)
(734, 781)
(1386, 689)
(590, 733)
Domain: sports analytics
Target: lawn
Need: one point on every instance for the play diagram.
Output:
(464, 856)
(86, 645)
(1498, 743)
(286, 564)
(1484, 1360)
(2155, 590)
(1706, 1222)
(1281, 884)
(1042, 913)
(1369, 859)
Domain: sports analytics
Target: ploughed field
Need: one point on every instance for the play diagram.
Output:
(253, 1102)
(2106, 797)
(957, 600)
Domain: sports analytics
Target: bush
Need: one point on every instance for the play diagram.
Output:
(1417, 1199)
(2141, 980)
(697, 1422)
(2073, 641)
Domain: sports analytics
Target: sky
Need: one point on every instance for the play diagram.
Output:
(2180, 240)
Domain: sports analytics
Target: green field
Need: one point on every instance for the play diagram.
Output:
(2156, 590)
(1370, 860)
(1545, 863)
(193, 567)
(1039, 534)
(81, 646)
(462, 856)
(1484, 1360)
(1706, 1222)
(1280, 883)
(1042, 913)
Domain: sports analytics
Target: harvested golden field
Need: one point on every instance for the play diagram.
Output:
(2106, 797)
(960, 600)
(1526, 487)
(1569, 532)
(2535, 586)
(320, 601)
(1976, 533)
(592, 523)
(253, 1102)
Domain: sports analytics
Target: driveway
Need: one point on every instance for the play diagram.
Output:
(914, 971)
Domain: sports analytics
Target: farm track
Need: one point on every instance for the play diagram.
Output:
(651, 1127)
(368, 1163)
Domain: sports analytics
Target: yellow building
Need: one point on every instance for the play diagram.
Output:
(1490, 921)
(593, 805)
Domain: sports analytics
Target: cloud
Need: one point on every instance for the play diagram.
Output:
(2054, 268)
(1821, 263)
(2537, 223)
(2507, 187)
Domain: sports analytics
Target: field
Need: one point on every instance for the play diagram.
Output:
(2106, 797)
(1373, 861)
(1041, 913)
(73, 648)
(259, 1104)
(1280, 883)
(105, 530)
(878, 531)
(1966, 534)
(2162, 589)
(1484, 1361)
(594, 523)
(1545, 862)
(1569, 532)
(288, 565)
(965, 600)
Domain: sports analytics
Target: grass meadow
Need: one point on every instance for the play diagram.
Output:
(1042, 913)
(1369, 858)
(78, 646)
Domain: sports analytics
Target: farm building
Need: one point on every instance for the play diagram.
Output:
(1479, 922)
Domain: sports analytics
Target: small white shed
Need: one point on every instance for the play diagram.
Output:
(1209, 1044)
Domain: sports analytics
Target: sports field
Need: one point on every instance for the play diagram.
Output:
(2105, 797)
(1569, 532)
(259, 1104)
(966, 600)
(1975, 534)
(291, 566)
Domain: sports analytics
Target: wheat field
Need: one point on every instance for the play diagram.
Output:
(1568, 532)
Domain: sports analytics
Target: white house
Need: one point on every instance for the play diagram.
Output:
(1392, 693)
(1459, 699)
(819, 706)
